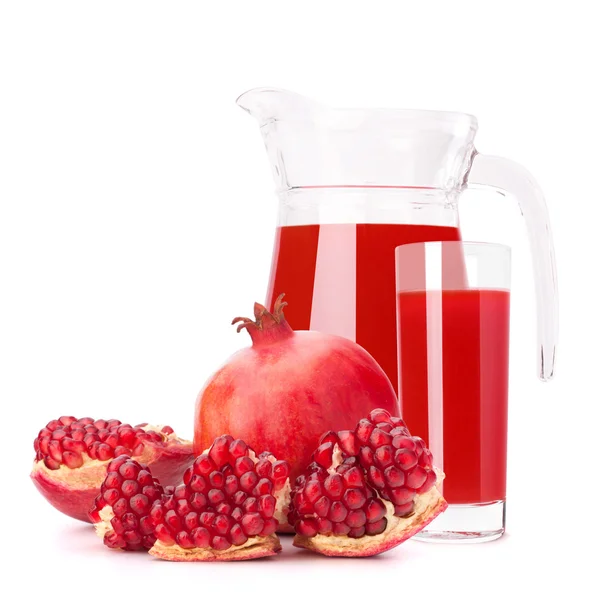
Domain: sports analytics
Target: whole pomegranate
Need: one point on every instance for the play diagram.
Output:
(289, 387)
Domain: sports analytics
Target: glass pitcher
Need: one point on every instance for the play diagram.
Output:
(355, 184)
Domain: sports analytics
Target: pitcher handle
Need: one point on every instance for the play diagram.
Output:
(508, 177)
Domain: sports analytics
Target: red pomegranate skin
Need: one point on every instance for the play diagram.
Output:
(290, 387)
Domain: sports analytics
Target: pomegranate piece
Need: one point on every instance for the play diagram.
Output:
(228, 507)
(379, 490)
(72, 455)
(260, 394)
(122, 510)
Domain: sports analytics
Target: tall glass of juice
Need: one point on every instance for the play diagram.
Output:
(453, 304)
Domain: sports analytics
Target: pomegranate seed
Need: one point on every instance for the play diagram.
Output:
(237, 514)
(357, 533)
(306, 528)
(224, 508)
(191, 521)
(337, 512)
(110, 496)
(347, 441)
(72, 460)
(324, 526)
(144, 478)
(264, 469)
(376, 528)
(404, 510)
(405, 459)
(263, 487)
(379, 438)
(321, 506)
(220, 543)
(281, 470)
(394, 477)
(420, 445)
(270, 527)
(425, 459)
(401, 496)
(51, 464)
(139, 504)
(203, 465)
(184, 539)
(251, 505)
(130, 521)
(366, 457)
(164, 535)
(364, 430)
(353, 477)
(237, 449)
(219, 451)
(239, 498)
(252, 524)
(172, 521)
(266, 505)
(243, 465)
(385, 427)
(416, 477)
(313, 490)
(217, 480)
(207, 519)
(354, 499)
(231, 485)
(120, 507)
(104, 452)
(55, 450)
(380, 415)
(197, 483)
(183, 507)
(334, 486)
(248, 481)
(215, 496)
(384, 456)
(222, 525)
(201, 537)
(302, 504)
(340, 529)
(237, 535)
(429, 482)
(374, 510)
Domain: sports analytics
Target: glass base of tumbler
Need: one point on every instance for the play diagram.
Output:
(466, 523)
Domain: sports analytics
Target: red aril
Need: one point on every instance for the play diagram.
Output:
(72, 456)
(372, 490)
(289, 387)
(228, 507)
(122, 510)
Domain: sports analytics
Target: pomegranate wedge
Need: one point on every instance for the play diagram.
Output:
(366, 490)
(227, 509)
(72, 456)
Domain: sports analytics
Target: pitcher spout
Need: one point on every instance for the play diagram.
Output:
(267, 104)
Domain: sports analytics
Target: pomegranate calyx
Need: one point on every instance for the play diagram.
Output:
(268, 326)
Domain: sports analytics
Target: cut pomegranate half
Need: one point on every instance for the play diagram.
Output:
(227, 509)
(121, 513)
(366, 490)
(72, 456)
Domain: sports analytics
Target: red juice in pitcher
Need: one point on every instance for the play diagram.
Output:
(453, 351)
(340, 279)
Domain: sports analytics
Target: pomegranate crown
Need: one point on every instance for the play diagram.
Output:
(267, 326)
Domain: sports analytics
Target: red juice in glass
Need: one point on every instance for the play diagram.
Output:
(339, 279)
(457, 400)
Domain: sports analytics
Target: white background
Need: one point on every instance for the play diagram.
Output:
(136, 220)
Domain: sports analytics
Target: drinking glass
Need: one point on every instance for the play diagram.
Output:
(453, 305)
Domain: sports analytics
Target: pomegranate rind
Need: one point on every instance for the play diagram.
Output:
(254, 548)
(72, 491)
(427, 507)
